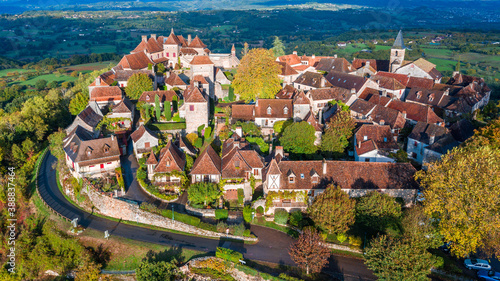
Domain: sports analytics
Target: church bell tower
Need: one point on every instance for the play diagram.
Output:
(397, 52)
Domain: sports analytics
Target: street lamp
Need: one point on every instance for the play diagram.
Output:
(173, 212)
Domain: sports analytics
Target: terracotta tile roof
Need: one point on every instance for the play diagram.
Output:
(312, 121)
(238, 158)
(243, 112)
(290, 59)
(196, 43)
(425, 96)
(347, 175)
(200, 79)
(208, 163)
(124, 75)
(334, 93)
(380, 135)
(346, 81)
(334, 64)
(91, 151)
(172, 39)
(151, 159)
(417, 82)
(452, 89)
(201, 60)
(288, 92)
(189, 52)
(109, 93)
(149, 96)
(390, 116)
(171, 159)
(174, 80)
(193, 94)
(124, 106)
(462, 130)
(301, 98)
(137, 134)
(135, 61)
(415, 112)
(389, 83)
(402, 78)
(435, 74)
(365, 147)
(106, 79)
(277, 108)
(463, 80)
(377, 65)
(160, 60)
(379, 99)
(150, 46)
(363, 107)
(182, 40)
(423, 132)
(473, 93)
(424, 64)
(312, 79)
(286, 69)
(252, 158)
(368, 93)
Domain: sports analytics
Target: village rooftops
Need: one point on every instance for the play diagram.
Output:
(199, 60)
(149, 96)
(171, 159)
(135, 61)
(243, 112)
(418, 82)
(427, 133)
(380, 135)
(87, 118)
(402, 78)
(208, 163)
(193, 94)
(334, 93)
(174, 80)
(288, 92)
(274, 108)
(109, 93)
(137, 134)
(85, 151)
(124, 106)
(416, 112)
(334, 64)
(377, 65)
(312, 79)
(286, 69)
(387, 116)
(389, 83)
(346, 81)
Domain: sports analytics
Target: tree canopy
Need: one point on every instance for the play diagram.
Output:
(308, 252)
(339, 131)
(333, 210)
(278, 47)
(299, 138)
(203, 193)
(137, 84)
(257, 76)
(78, 103)
(157, 271)
(377, 211)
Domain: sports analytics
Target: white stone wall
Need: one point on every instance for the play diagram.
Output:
(261, 122)
(413, 70)
(373, 156)
(205, 70)
(300, 111)
(141, 144)
(171, 50)
(196, 117)
(418, 149)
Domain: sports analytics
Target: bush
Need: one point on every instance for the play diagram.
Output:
(239, 229)
(288, 278)
(198, 143)
(247, 233)
(281, 216)
(200, 130)
(263, 146)
(296, 218)
(221, 214)
(241, 196)
(208, 131)
(260, 210)
(355, 241)
(119, 177)
(221, 227)
(247, 213)
(192, 137)
(341, 237)
(438, 262)
(228, 254)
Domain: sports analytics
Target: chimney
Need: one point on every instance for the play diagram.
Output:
(335, 56)
(382, 122)
(169, 137)
(322, 82)
(359, 144)
(168, 74)
(270, 148)
(98, 81)
(189, 39)
(239, 131)
(144, 38)
(367, 64)
(112, 137)
(431, 138)
(256, 102)
(295, 52)
(378, 82)
(404, 114)
(384, 93)
(313, 56)
(153, 36)
(324, 167)
(196, 84)
(353, 91)
(279, 150)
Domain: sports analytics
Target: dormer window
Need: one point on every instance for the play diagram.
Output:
(291, 179)
(302, 176)
(285, 110)
(237, 163)
(315, 179)
(147, 98)
(365, 138)
(419, 95)
(269, 110)
(168, 163)
(106, 148)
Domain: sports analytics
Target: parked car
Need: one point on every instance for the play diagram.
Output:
(488, 275)
(477, 264)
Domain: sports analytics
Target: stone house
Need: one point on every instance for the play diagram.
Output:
(207, 167)
(422, 136)
(301, 107)
(124, 109)
(355, 84)
(143, 140)
(288, 74)
(195, 108)
(269, 111)
(321, 97)
(88, 119)
(89, 157)
(225, 61)
(166, 169)
(333, 64)
(310, 81)
(202, 65)
(172, 80)
(420, 68)
(389, 86)
(373, 143)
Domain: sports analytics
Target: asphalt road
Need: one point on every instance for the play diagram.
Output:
(272, 246)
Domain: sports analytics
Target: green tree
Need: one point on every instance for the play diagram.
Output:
(40, 84)
(461, 192)
(78, 103)
(247, 213)
(204, 193)
(281, 216)
(56, 144)
(457, 66)
(299, 138)
(278, 47)
(244, 52)
(160, 68)
(157, 108)
(157, 271)
(333, 211)
(167, 110)
(405, 259)
(257, 76)
(52, 85)
(280, 126)
(308, 252)
(339, 131)
(137, 84)
(377, 211)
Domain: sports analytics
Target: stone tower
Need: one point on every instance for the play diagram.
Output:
(397, 53)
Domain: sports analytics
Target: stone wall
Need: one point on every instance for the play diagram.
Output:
(115, 208)
(200, 212)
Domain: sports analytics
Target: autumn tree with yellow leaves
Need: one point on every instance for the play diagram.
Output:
(257, 76)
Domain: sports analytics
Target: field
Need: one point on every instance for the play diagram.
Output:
(88, 67)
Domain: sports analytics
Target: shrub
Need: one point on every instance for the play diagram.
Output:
(296, 218)
(288, 278)
(247, 233)
(355, 241)
(341, 237)
(208, 131)
(241, 196)
(260, 210)
(263, 146)
(228, 254)
(238, 229)
(438, 262)
(221, 227)
(281, 216)
(192, 137)
(247, 213)
(198, 143)
(200, 130)
(221, 214)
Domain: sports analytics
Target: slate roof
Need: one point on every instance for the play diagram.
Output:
(334, 64)
(346, 81)
(87, 152)
(399, 42)
(334, 93)
(208, 163)
(416, 112)
(312, 79)
(423, 131)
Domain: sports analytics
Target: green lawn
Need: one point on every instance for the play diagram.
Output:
(48, 77)
(443, 64)
(439, 53)
(4, 72)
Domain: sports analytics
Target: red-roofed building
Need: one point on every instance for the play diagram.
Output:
(165, 170)
(373, 143)
(195, 108)
(107, 95)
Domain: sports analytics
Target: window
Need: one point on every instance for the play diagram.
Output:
(109, 163)
(173, 54)
(367, 159)
(168, 54)
(385, 139)
(315, 179)
(237, 163)
(365, 138)
(302, 176)
(285, 110)
(147, 97)
(269, 110)
(256, 172)
(92, 166)
(291, 179)
(168, 163)
(146, 144)
(191, 108)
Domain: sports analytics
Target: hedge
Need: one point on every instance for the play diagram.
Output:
(241, 196)
(167, 126)
(221, 214)
(281, 216)
(228, 254)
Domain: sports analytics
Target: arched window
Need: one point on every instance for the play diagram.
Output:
(285, 110)
(396, 53)
(269, 110)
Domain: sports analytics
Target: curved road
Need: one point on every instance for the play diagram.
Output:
(272, 246)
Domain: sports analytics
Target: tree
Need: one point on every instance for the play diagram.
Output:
(56, 143)
(160, 68)
(247, 213)
(257, 76)
(157, 108)
(167, 110)
(299, 138)
(377, 211)
(278, 47)
(244, 52)
(339, 131)
(281, 125)
(281, 216)
(461, 192)
(40, 84)
(404, 259)
(89, 272)
(457, 66)
(308, 252)
(137, 84)
(78, 103)
(333, 210)
(52, 85)
(203, 193)
(157, 271)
